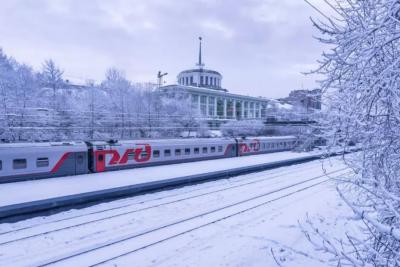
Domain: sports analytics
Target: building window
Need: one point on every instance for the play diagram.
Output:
(263, 111)
(206, 80)
(257, 110)
(201, 80)
(211, 106)
(156, 153)
(251, 109)
(195, 101)
(191, 80)
(19, 164)
(42, 162)
(246, 109)
(203, 105)
(187, 80)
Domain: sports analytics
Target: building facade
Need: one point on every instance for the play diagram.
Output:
(213, 102)
(309, 100)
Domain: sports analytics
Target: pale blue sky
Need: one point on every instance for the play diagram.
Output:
(259, 46)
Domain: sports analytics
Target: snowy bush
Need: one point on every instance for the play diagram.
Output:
(362, 89)
(243, 128)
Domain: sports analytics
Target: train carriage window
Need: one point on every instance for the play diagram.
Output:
(212, 149)
(1, 165)
(187, 151)
(19, 164)
(220, 148)
(42, 162)
(167, 152)
(177, 152)
(100, 157)
(196, 150)
(205, 149)
(156, 153)
(131, 156)
(143, 154)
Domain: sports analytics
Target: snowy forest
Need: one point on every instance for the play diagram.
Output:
(40, 106)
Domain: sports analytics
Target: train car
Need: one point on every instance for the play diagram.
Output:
(104, 156)
(24, 161)
(260, 145)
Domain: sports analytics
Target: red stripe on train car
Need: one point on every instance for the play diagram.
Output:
(60, 162)
(228, 150)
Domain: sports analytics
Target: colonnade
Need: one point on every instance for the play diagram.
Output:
(228, 107)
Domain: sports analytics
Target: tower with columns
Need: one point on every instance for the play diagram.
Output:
(213, 102)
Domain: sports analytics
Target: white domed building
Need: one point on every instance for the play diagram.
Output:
(213, 102)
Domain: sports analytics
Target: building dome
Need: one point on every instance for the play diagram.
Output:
(201, 77)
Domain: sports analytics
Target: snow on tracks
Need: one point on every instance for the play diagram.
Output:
(110, 235)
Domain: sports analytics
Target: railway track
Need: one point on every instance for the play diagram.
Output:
(232, 183)
(103, 250)
(104, 253)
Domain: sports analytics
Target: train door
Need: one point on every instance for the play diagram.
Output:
(80, 163)
(234, 150)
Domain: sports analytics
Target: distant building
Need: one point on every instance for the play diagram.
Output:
(213, 102)
(306, 99)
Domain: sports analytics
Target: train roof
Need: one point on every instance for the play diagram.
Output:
(166, 141)
(43, 144)
(188, 140)
(139, 141)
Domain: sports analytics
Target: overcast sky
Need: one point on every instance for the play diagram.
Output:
(260, 46)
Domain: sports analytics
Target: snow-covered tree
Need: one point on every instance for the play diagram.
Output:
(362, 92)
(25, 88)
(118, 88)
(243, 128)
(52, 77)
(179, 116)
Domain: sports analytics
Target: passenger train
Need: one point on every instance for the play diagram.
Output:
(25, 161)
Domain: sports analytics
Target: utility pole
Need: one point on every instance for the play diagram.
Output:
(160, 76)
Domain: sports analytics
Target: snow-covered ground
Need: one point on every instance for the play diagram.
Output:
(231, 222)
(15, 193)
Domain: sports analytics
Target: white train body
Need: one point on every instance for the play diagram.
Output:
(22, 161)
(129, 154)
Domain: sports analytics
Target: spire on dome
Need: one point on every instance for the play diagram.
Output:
(200, 63)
